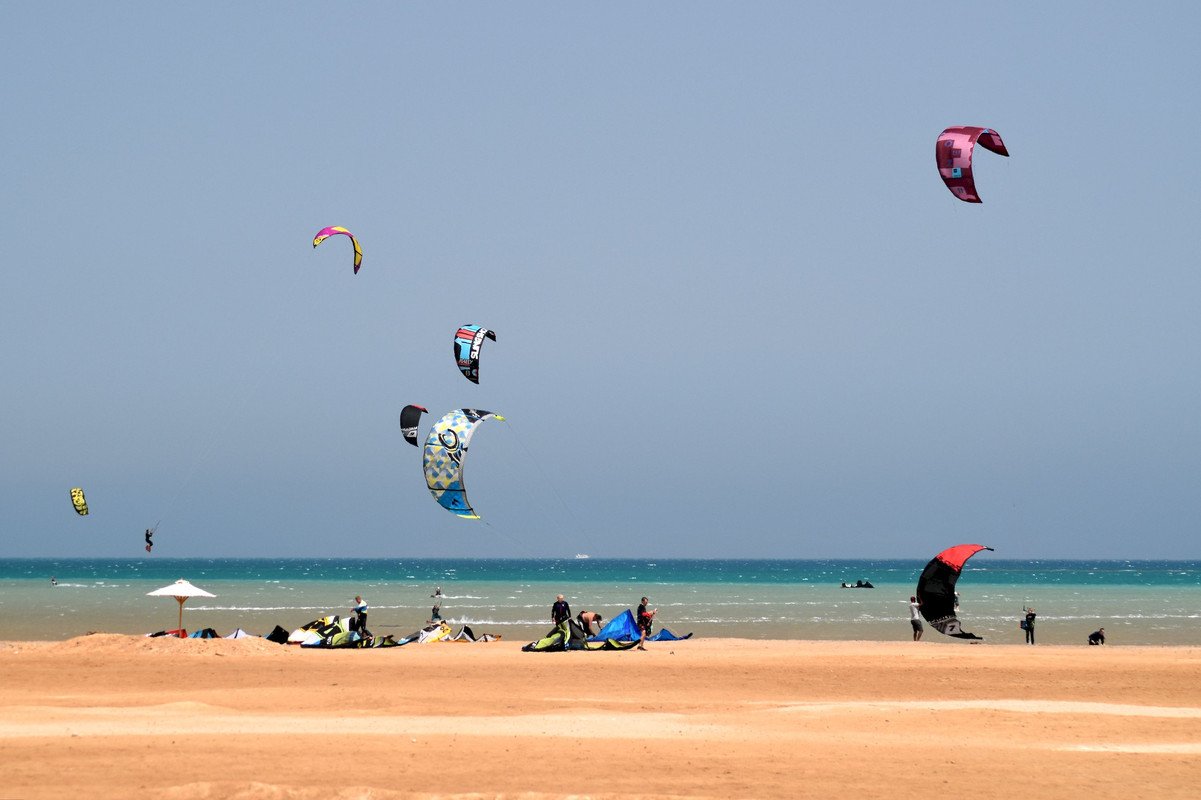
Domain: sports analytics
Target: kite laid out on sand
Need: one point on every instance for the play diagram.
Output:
(325, 233)
(953, 154)
(936, 589)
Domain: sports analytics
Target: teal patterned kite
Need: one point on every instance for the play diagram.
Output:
(445, 449)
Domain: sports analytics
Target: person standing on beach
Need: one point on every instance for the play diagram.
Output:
(1030, 615)
(560, 612)
(644, 619)
(915, 618)
(360, 615)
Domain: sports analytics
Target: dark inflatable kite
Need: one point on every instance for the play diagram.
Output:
(410, 418)
(936, 589)
(468, 341)
(954, 156)
(77, 500)
(325, 233)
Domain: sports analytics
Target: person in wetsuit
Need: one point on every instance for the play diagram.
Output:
(560, 612)
(149, 544)
(1030, 615)
(359, 623)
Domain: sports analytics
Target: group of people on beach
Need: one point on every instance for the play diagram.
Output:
(1027, 623)
(436, 611)
(560, 612)
(359, 621)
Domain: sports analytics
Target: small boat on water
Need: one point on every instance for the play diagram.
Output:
(582, 555)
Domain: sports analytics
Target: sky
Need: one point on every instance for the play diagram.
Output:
(737, 312)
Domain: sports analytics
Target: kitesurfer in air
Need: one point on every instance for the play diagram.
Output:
(149, 543)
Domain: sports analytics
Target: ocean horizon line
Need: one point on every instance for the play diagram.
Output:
(636, 559)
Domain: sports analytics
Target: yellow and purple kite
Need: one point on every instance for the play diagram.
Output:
(953, 154)
(325, 233)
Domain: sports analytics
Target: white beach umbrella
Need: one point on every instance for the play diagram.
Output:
(181, 590)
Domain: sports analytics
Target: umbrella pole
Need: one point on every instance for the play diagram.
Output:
(180, 628)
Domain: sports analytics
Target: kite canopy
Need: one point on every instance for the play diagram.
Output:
(410, 418)
(936, 589)
(77, 500)
(624, 628)
(181, 590)
(325, 233)
(468, 341)
(568, 635)
(445, 449)
(953, 154)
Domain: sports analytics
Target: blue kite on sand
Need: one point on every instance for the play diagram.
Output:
(623, 628)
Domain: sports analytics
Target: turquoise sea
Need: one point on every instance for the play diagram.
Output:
(1138, 602)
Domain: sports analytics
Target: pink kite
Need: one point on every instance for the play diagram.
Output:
(325, 233)
(953, 153)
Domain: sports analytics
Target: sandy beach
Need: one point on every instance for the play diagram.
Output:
(112, 716)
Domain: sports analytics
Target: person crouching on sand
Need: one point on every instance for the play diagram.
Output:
(587, 619)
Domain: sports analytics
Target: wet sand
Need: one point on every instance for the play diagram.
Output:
(112, 716)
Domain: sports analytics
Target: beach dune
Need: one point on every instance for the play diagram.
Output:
(111, 716)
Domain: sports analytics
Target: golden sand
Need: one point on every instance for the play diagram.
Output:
(108, 716)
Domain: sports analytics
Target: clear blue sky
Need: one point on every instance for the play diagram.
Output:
(738, 314)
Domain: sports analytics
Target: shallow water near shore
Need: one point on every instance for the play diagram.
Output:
(1138, 602)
